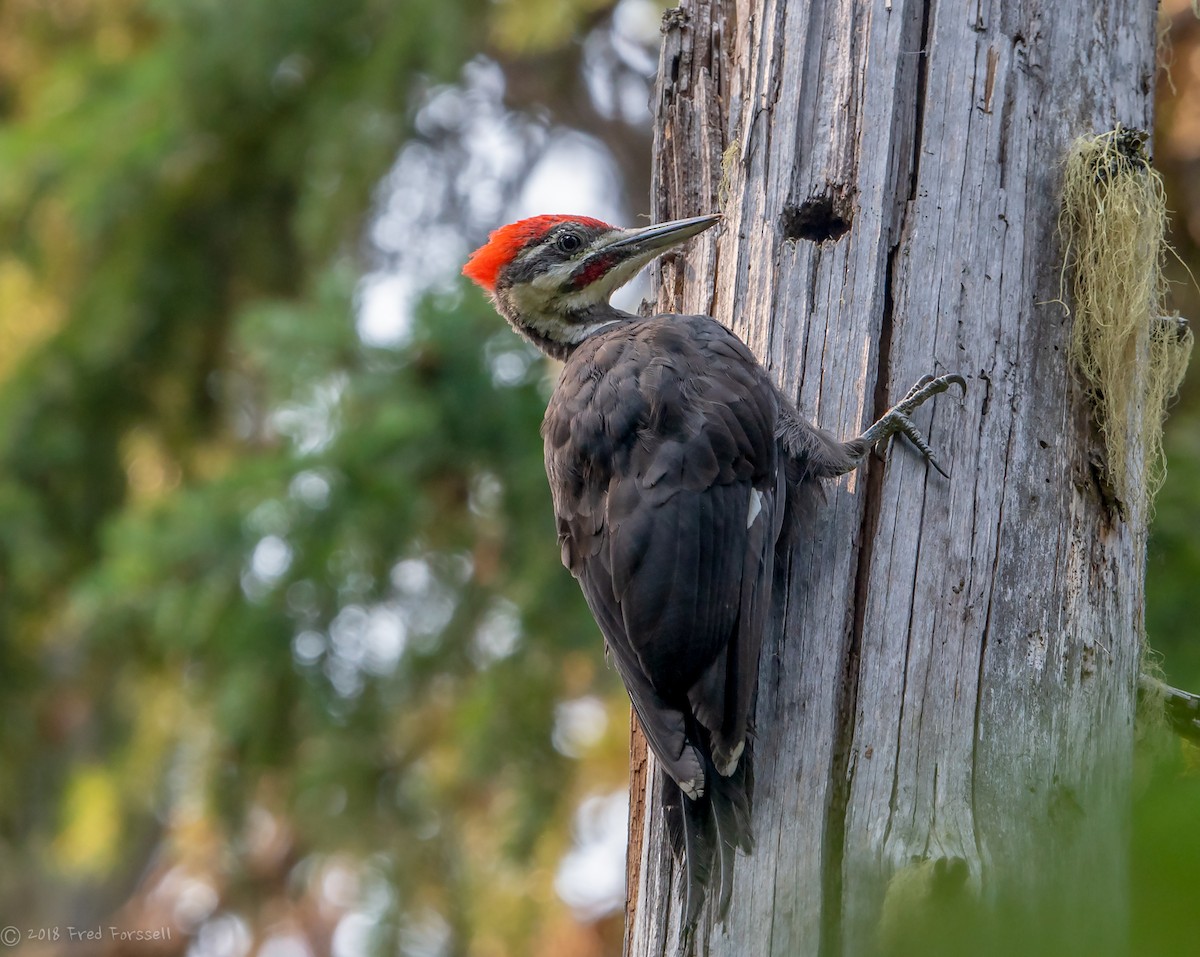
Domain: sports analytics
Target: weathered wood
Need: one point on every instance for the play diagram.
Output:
(953, 673)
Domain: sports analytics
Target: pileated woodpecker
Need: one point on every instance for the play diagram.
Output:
(676, 468)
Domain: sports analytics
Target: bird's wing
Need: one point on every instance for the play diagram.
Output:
(660, 446)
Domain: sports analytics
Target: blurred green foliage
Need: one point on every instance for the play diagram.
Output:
(272, 601)
(1173, 568)
(281, 620)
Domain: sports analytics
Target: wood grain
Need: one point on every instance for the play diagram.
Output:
(953, 668)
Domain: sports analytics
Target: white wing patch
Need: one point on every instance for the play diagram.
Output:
(731, 764)
(756, 500)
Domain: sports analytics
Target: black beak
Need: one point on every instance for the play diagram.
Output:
(650, 240)
(617, 257)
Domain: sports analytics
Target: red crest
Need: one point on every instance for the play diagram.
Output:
(504, 243)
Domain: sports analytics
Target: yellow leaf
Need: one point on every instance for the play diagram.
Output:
(29, 314)
(91, 828)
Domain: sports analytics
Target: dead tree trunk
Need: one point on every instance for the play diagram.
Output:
(945, 713)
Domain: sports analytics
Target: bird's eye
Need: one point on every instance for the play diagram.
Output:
(569, 243)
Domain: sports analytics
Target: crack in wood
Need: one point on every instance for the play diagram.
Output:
(922, 81)
(842, 770)
(984, 639)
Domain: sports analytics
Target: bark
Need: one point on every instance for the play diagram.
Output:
(946, 706)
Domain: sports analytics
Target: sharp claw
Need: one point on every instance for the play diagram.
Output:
(897, 422)
(916, 438)
(920, 384)
(926, 388)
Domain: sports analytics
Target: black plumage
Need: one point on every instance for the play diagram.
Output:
(668, 485)
(677, 470)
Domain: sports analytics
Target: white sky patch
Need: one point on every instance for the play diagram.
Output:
(639, 22)
(284, 945)
(271, 559)
(574, 174)
(311, 488)
(486, 494)
(352, 936)
(473, 148)
(268, 563)
(347, 635)
(311, 424)
(223, 936)
(619, 63)
(473, 153)
(629, 297)
(340, 885)
(385, 303)
(370, 639)
(424, 604)
(191, 899)
(269, 518)
(385, 639)
(578, 725)
(461, 567)
(509, 359)
(412, 576)
(591, 876)
(428, 616)
(426, 935)
(308, 647)
(498, 634)
(346, 679)
(365, 895)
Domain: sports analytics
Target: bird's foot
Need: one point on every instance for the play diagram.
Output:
(896, 420)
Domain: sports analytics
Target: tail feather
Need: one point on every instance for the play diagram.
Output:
(706, 833)
(730, 809)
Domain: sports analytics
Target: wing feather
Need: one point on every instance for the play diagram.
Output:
(668, 491)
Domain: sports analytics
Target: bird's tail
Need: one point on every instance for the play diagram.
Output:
(706, 832)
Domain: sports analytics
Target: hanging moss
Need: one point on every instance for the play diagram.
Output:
(1129, 356)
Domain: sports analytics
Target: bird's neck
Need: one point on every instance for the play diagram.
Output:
(558, 334)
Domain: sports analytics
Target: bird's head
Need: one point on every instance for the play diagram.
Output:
(551, 276)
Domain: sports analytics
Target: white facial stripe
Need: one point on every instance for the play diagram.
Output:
(585, 331)
(554, 277)
(543, 305)
(573, 334)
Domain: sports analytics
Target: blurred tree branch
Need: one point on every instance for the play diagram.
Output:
(1181, 708)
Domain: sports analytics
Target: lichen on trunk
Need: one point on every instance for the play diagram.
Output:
(1130, 355)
